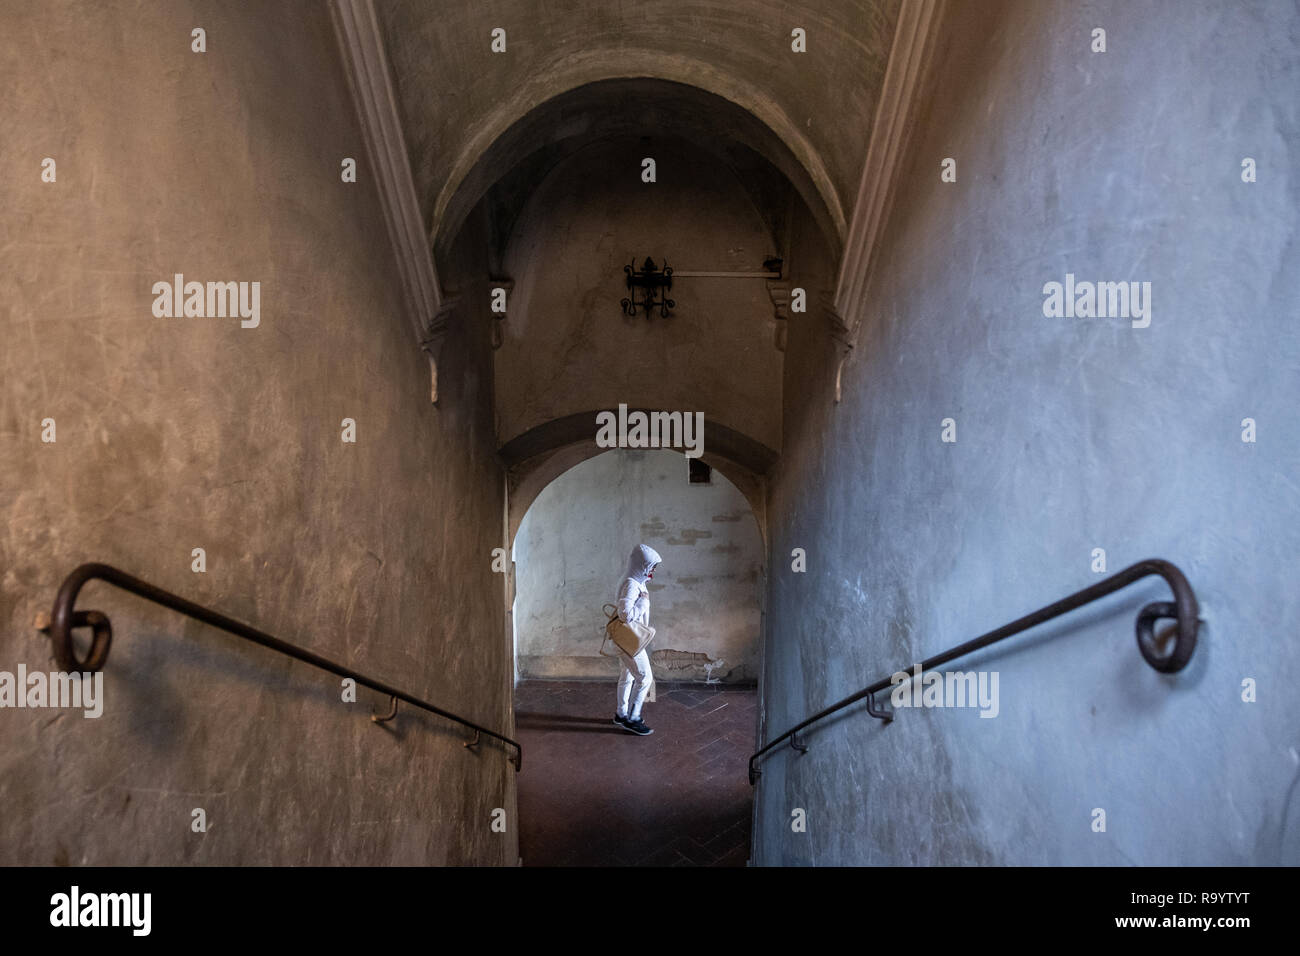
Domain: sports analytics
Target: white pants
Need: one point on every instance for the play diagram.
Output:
(634, 681)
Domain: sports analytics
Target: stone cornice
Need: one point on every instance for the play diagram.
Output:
(917, 27)
(366, 65)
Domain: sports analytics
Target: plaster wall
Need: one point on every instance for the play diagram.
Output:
(1072, 434)
(567, 346)
(179, 433)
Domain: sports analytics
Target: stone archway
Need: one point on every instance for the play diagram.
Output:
(571, 546)
(542, 454)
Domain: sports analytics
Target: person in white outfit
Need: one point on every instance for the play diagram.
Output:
(634, 605)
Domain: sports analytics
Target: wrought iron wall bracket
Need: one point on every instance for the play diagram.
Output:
(653, 284)
(882, 713)
(1182, 610)
(64, 618)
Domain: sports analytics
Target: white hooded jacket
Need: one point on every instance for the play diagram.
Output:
(633, 597)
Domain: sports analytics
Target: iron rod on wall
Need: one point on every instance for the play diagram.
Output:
(64, 619)
(1183, 609)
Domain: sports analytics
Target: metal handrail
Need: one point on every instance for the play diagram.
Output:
(64, 619)
(1183, 609)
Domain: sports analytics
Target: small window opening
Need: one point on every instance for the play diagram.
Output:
(701, 474)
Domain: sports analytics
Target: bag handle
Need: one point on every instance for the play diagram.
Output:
(612, 613)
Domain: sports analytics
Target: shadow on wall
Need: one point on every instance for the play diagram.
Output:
(571, 553)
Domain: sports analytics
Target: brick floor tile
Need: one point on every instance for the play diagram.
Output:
(592, 795)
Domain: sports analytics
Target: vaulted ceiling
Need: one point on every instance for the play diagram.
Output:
(471, 115)
(523, 163)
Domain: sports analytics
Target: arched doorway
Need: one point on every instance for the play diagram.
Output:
(572, 547)
(591, 793)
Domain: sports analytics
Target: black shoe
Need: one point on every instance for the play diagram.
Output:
(638, 727)
(621, 721)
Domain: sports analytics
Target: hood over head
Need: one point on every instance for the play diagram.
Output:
(643, 559)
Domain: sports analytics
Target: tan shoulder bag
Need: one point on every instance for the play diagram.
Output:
(631, 639)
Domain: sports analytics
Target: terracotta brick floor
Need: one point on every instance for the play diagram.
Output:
(591, 794)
